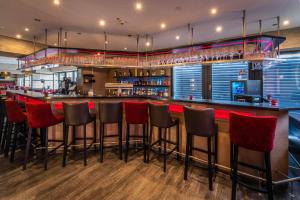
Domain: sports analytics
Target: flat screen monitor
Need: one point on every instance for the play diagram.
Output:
(237, 88)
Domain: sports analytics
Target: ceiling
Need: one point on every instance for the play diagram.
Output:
(82, 16)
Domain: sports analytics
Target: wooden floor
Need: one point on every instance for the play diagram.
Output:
(113, 179)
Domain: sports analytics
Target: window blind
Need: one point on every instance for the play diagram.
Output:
(222, 74)
(282, 80)
(187, 81)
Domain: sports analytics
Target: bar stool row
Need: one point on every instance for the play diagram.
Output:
(198, 123)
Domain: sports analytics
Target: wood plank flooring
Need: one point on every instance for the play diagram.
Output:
(112, 180)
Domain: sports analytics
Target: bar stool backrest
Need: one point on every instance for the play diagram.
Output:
(39, 115)
(110, 112)
(252, 132)
(14, 112)
(160, 115)
(136, 112)
(76, 113)
(200, 122)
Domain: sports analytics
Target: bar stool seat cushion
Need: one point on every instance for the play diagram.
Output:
(258, 131)
(40, 115)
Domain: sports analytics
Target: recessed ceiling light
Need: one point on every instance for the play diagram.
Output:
(162, 25)
(56, 2)
(177, 37)
(102, 22)
(26, 29)
(219, 29)
(55, 44)
(18, 36)
(213, 11)
(106, 42)
(138, 6)
(125, 48)
(286, 22)
(147, 44)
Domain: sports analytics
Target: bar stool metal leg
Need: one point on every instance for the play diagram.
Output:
(27, 148)
(95, 134)
(165, 150)
(84, 145)
(234, 171)
(269, 176)
(46, 149)
(4, 135)
(216, 152)
(66, 134)
(159, 141)
(102, 128)
(120, 141)
(8, 139)
(150, 143)
(210, 173)
(73, 137)
(187, 155)
(14, 145)
(144, 142)
(177, 141)
(127, 142)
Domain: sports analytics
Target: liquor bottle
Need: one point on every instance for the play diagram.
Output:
(115, 74)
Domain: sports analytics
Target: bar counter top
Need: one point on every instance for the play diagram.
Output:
(263, 106)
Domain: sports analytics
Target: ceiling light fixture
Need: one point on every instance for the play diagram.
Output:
(138, 6)
(177, 37)
(286, 22)
(18, 36)
(106, 42)
(56, 2)
(213, 11)
(102, 22)
(55, 44)
(147, 44)
(125, 48)
(219, 29)
(162, 25)
(26, 29)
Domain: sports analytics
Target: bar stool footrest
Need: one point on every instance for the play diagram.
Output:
(251, 187)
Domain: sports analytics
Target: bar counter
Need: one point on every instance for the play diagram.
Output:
(279, 155)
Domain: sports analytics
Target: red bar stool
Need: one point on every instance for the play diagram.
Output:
(40, 116)
(136, 113)
(16, 120)
(255, 133)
